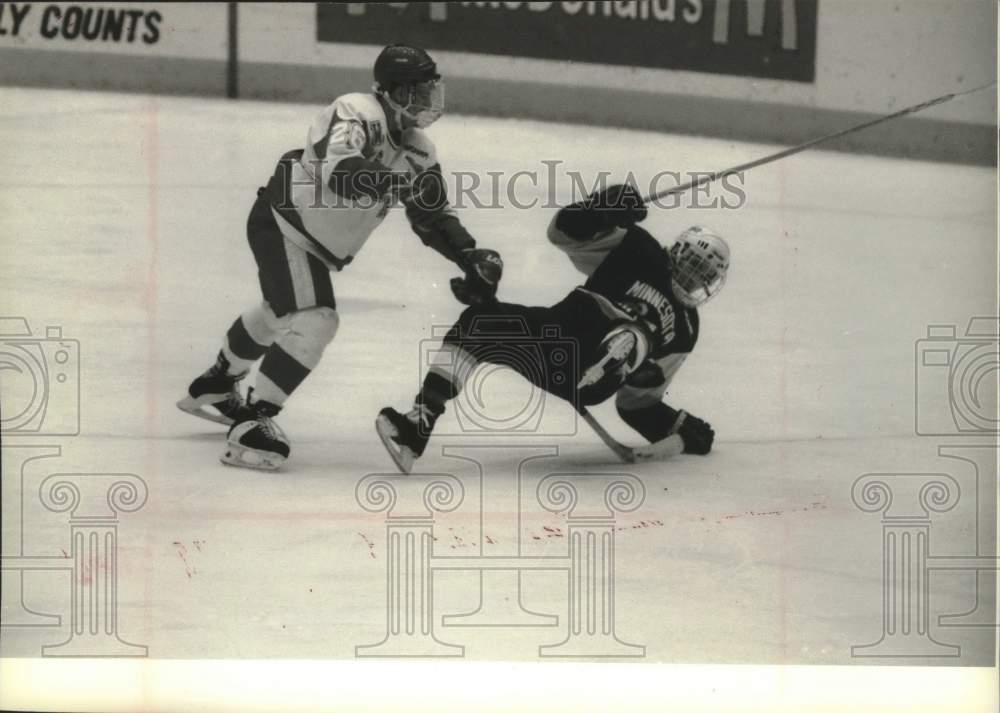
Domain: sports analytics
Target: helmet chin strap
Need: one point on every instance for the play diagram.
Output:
(397, 110)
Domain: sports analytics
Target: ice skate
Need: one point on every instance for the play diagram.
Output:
(255, 440)
(405, 435)
(215, 395)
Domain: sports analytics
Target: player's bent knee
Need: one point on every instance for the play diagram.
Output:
(320, 323)
(308, 334)
(263, 325)
(629, 398)
(273, 320)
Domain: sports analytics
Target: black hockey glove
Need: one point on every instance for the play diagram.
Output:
(658, 421)
(483, 270)
(619, 206)
(697, 435)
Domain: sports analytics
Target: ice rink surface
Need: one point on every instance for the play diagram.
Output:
(123, 222)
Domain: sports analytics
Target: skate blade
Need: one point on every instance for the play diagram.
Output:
(401, 455)
(196, 407)
(243, 457)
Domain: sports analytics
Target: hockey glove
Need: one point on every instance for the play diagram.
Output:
(483, 270)
(697, 435)
(619, 206)
(659, 421)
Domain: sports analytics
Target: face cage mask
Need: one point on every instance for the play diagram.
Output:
(696, 279)
(425, 104)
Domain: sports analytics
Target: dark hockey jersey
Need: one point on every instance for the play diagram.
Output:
(636, 276)
(627, 271)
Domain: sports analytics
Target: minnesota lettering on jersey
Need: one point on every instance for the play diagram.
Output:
(632, 270)
(649, 295)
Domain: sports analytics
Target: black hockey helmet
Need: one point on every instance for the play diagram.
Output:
(412, 68)
(403, 64)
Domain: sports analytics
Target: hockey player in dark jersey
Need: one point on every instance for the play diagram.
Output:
(632, 323)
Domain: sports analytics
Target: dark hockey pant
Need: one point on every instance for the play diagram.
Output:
(548, 346)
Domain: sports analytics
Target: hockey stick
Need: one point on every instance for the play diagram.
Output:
(661, 450)
(708, 178)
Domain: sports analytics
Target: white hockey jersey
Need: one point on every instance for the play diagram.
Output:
(330, 226)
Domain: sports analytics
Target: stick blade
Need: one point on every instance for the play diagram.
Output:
(661, 450)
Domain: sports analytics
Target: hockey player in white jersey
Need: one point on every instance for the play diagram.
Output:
(363, 153)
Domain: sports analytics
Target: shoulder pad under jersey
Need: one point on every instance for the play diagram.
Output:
(359, 105)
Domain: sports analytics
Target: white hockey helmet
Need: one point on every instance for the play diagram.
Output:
(700, 263)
